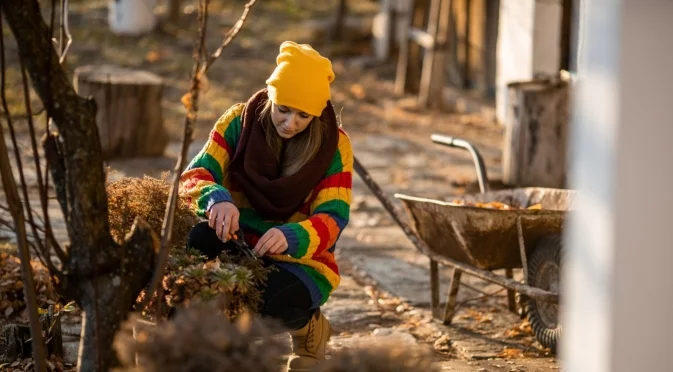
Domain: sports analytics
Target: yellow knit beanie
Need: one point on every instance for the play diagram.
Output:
(301, 79)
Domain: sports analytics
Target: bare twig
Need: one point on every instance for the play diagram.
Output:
(203, 29)
(191, 100)
(14, 203)
(231, 34)
(42, 190)
(45, 261)
(25, 117)
(17, 154)
(53, 152)
(65, 33)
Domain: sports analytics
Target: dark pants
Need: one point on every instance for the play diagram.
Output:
(284, 297)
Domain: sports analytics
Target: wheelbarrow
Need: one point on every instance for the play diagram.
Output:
(476, 241)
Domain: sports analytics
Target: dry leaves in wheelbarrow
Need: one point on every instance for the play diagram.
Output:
(494, 205)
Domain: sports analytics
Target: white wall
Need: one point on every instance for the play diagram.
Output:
(618, 280)
(547, 36)
(528, 43)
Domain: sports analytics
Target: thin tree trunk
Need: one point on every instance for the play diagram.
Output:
(103, 277)
(16, 209)
(174, 10)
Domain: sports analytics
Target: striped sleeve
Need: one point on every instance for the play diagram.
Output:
(329, 210)
(202, 181)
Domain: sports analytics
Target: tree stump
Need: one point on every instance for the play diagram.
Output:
(129, 117)
(15, 338)
(536, 134)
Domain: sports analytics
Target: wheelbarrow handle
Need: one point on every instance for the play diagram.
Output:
(482, 177)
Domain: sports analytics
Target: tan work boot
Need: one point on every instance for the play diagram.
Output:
(309, 343)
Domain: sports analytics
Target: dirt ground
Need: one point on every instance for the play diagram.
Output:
(385, 287)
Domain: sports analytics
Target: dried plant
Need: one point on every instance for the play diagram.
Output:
(188, 277)
(131, 197)
(12, 296)
(200, 339)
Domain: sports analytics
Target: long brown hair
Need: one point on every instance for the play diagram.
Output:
(296, 151)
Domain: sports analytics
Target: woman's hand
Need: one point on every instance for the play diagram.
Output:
(272, 242)
(223, 217)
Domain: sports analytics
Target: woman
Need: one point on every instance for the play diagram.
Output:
(279, 167)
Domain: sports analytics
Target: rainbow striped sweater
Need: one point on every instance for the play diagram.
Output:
(311, 232)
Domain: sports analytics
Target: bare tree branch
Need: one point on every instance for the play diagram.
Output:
(42, 190)
(87, 209)
(231, 34)
(17, 154)
(45, 261)
(14, 203)
(24, 117)
(190, 100)
(53, 151)
(64, 33)
(203, 30)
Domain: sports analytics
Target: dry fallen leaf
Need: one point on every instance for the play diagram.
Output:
(371, 292)
(493, 205)
(510, 353)
(512, 333)
(525, 327)
(443, 344)
(358, 91)
(153, 56)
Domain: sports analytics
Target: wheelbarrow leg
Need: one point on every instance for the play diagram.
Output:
(450, 309)
(511, 301)
(434, 287)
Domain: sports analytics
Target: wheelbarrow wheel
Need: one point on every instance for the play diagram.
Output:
(544, 272)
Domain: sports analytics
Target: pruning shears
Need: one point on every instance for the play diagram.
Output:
(239, 241)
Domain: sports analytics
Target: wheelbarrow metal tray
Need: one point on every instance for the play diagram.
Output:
(487, 238)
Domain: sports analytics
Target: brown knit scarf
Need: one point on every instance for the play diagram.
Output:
(256, 171)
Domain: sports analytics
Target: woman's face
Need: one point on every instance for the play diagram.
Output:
(289, 121)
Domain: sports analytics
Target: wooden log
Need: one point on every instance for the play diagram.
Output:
(450, 309)
(51, 327)
(428, 72)
(434, 64)
(403, 56)
(13, 342)
(434, 287)
(534, 152)
(408, 74)
(129, 117)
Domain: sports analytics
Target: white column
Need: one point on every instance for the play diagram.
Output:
(618, 282)
(529, 33)
(131, 17)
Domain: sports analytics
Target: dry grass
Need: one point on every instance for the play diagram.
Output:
(146, 197)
